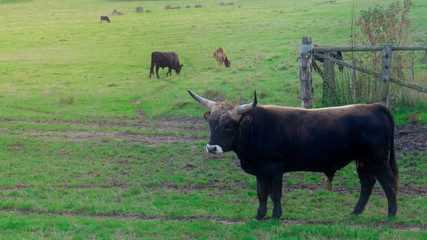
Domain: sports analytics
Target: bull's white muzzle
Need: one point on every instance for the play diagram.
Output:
(215, 149)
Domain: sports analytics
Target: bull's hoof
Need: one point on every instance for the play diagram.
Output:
(355, 213)
(391, 215)
(259, 217)
(276, 218)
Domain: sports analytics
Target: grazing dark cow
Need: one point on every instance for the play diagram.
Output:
(221, 57)
(165, 59)
(272, 140)
(139, 9)
(105, 18)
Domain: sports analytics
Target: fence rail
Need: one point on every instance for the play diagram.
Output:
(365, 49)
(375, 74)
(307, 50)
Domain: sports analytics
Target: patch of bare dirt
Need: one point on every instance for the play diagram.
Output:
(78, 136)
(183, 125)
(410, 138)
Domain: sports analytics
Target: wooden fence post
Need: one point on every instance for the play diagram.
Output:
(329, 94)
(305, 68)
(385, 73)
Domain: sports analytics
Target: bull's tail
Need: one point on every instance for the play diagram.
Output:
(392, 157)
(393, 163)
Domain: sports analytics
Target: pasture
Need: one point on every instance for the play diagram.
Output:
(91, 147)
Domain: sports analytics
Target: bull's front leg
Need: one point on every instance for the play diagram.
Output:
(262, 192)
(276, 196)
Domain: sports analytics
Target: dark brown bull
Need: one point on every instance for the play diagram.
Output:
(165, 59)
(272, 140)
(105, 18)
(221, 57)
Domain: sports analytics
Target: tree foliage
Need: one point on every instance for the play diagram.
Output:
(390, 26)
(379, 26)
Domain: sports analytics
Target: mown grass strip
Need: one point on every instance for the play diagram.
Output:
(170, 180)
(217, 203)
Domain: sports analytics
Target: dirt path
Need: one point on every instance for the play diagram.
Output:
(230, 221)
(171, 130)
(407, 137)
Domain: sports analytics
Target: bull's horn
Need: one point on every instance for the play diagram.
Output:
(207, 103)
(247, 107)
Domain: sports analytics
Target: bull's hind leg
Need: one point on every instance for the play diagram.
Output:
(157, 71)
(385, 176)
(151, 70)
(367, 181)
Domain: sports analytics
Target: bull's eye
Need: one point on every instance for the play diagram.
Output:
(229, 127)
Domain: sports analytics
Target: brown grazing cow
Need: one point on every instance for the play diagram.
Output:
(221, 57)
(105, 18)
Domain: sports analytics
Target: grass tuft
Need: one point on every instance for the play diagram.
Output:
(67, 100)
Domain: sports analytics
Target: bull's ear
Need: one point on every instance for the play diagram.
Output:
(207, 115)
(246, 118)
(182, 65)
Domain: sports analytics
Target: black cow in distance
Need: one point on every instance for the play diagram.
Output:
(105, 18)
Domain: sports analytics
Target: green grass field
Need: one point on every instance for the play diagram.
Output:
(91, 147)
